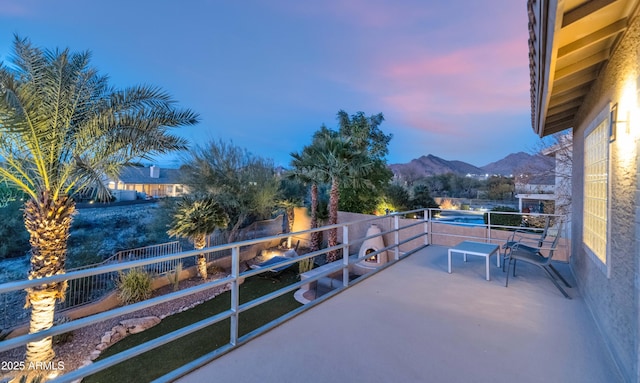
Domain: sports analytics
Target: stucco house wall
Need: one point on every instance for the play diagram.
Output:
(612, 290)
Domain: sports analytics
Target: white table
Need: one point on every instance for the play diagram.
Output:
(476, 248)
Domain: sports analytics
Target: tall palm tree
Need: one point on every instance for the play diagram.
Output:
(334, 159)
(63, 130)
(303, 170)
(195, 218)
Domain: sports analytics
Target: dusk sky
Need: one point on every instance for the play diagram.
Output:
(451, 77)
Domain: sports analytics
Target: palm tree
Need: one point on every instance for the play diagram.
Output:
(333, 159)
(195, 218)
(63, 130)
(303, 170)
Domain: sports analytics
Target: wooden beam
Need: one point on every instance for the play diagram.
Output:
(572, 82)
(563, 116)
(555, 128)
(576, 103)
(592, 38)
(581, 65)
(567, 97)
(584, 10)
(558, 126)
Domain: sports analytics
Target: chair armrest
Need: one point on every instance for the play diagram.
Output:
(521, 235)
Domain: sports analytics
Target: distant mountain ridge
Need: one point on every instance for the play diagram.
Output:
(512, 164)
(520, 162)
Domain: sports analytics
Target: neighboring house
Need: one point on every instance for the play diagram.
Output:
(141, 182)
(585, 75)
(550, 192)
(534, 193)
(562, 151)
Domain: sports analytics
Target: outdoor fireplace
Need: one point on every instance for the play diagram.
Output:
(369, 246)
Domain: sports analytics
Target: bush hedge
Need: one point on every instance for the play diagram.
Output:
(504, 219)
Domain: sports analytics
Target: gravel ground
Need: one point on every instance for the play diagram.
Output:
(75, 353)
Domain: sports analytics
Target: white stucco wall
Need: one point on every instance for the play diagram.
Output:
(612, 291)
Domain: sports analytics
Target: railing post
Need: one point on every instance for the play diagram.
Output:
(396, 235)
(425, 216)
(430, 229)
(489, 226)
(345, 256)
(235, 294)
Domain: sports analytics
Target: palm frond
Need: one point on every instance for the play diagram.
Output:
(63, 125)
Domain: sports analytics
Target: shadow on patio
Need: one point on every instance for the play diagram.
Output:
(414, 322)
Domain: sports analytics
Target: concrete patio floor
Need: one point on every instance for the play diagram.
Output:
(414, 322)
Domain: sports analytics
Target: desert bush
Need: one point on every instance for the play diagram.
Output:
(504, 219)
(174, 276)
(305, 265)
(64, 337)
(134, 286)
(213, 269)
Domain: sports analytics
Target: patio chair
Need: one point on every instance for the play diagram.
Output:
(523, 237)
(534, 255)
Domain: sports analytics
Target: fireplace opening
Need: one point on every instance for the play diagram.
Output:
(371, 259)
(374, 243)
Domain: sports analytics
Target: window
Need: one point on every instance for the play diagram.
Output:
(596, 174)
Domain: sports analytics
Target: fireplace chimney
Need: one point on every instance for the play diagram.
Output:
(154, 171)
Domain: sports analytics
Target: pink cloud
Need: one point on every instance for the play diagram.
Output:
(13, 8)
(480, 80)
(365, 13)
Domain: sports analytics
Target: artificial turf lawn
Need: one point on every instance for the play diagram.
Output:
(155, 363)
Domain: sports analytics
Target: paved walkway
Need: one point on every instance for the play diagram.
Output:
(414, 322)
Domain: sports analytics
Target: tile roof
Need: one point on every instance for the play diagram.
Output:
(140, 175)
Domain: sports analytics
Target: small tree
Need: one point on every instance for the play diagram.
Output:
(244, 185)
(398, 196)
(366, 137)
(195, 218)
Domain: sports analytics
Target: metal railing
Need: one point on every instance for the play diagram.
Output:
(89, 289)
(413, 232)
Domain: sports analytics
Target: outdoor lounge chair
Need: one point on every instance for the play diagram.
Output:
(274, 260)
(277, 259)
(535, 256)
(524, 237)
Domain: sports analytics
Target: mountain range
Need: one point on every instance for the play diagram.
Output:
(514, 163)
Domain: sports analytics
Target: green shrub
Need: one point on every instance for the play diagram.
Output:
(134, 286)
(504, 219)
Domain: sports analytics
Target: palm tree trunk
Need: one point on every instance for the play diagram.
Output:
(48, 221)
(334, 196)
(291, 216)
(199, 243)
(316, 237)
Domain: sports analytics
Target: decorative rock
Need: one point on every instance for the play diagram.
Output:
(106, 338)
(102, 346)
(136, 329)
(87, 363)
(116, 337)
(94, 354)
(137, 325)
(120, 330)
